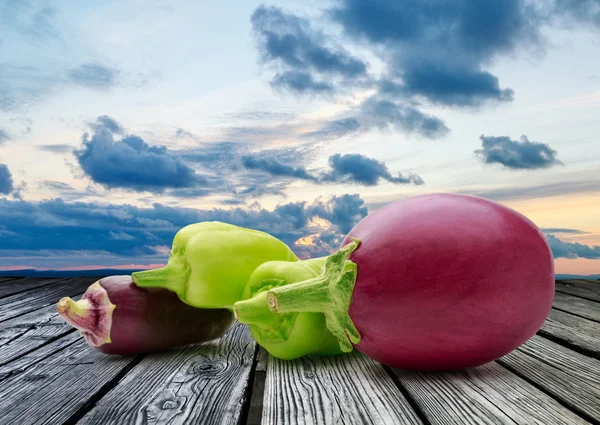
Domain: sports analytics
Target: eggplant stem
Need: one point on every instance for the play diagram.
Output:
(91, 315)
(329, 293)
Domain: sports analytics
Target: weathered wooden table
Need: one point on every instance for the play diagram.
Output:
(48, 375)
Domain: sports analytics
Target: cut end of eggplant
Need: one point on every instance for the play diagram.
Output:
(91, 315)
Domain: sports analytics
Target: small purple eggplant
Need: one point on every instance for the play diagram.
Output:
(117, 317)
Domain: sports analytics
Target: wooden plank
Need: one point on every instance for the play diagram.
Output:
(25, 333)
(8, 278)
(203, 384)
(573, 331)
(51, 391)
(255, 410)
(486, 395)
(348, 388)
(23, 284)
(587, 289)
(24, 362)
(34, 299)
(569, 376)
(578, 306)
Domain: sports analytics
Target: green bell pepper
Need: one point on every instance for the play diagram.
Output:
(211, 262)
(285, 335)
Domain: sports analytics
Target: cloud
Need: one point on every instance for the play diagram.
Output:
(516, 155)
(6, 181)
(577, 11)
(333, 130)
(382, 113)
(183, 134)
(347, 168)
(300, 82)
(585, 186)
(104, 121)
(259, 115)
(19, 190)
(23, 85)
(447, 85)
(438, 50)
(132, 164)
(356, 168)
(275, 167)
(3, 136)
(67, 233)
(572, 250)
(36, 24)
(58, 148)
(94, 76)
(300, 50)
(553, 230)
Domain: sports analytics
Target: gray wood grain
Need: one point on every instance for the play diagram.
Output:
(588, 289)
(34, 299)
(17, 285)
(569, 376)
(23, 362)
(203, 384)
(343, 389)
(573, 330)
(52, 390)
(8, 278)
(486, 395)
(255, 411)
(579, 306)
(25, 333)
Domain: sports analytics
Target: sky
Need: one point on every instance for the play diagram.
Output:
(123, 121)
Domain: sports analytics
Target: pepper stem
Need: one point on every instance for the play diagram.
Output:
(173, 276)
(255, 311)
(329, 293)
(91, 315)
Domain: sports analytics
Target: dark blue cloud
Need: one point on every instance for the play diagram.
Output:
(448, 85)
(383, 113)
(516, 155)
(300, 82)
(6, 181)
(104, 121)
(275, 167)
(348, 168)
(3, 136)
(132, 164)
(59, 148)
(356, 168)
(300, 50)
(345, 211)
(561, 249)
(438, 50)
(94, 76)
(70, 232)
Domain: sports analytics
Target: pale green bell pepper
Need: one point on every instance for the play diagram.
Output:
(211, 263)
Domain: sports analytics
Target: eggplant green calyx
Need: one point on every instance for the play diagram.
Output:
(329, 293)
(91, 315)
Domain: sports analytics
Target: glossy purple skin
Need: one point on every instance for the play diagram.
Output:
(447, 282)
(152, 320)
